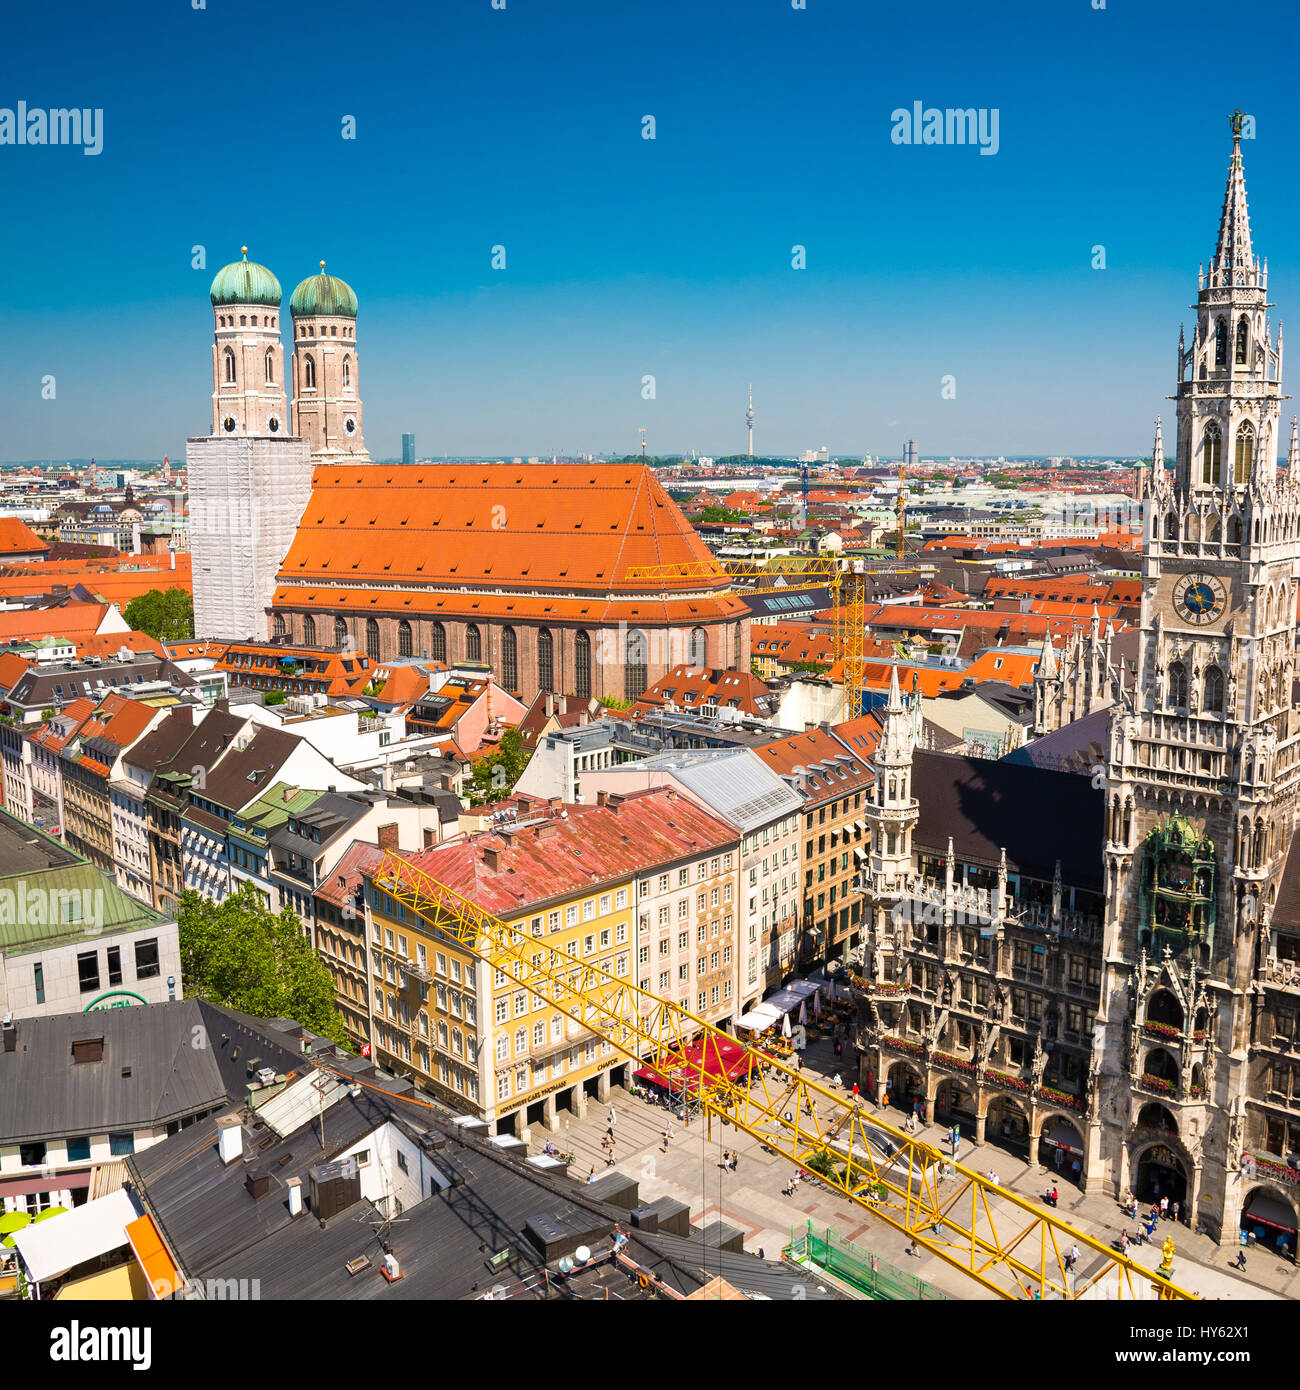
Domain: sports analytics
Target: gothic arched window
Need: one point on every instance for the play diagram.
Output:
(1211, 453)
(1234, 530)
(270, 367)
(545, 660)
(634, 679)
(230, 365)
(309, 631)
(1221, 344)
(278, 626)
(1243, 333)
(1213, 702)
(404, 638)
(509, 659)
(1245, 456)
(438, 642)
(582, 666)
(372, 639)
(473, 643)
(1178, 685)
(347, 372)
(309, 372)
(340, 632)
(697, 648)
(1171, 526)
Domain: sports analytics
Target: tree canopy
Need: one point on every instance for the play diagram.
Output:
(167, 615)
(496, 773)
(240, 953)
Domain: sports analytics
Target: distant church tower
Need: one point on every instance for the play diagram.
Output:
(326, 390)
(1203, 772)
(249, 480)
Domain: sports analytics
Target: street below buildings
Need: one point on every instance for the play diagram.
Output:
(751, 1198)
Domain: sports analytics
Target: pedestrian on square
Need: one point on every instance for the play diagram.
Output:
(1060, 1159)
(613, 1118)
(591, 1177)
(735, 1161)
(1077, 1169)
(1174, 1211)
(1164, 1207)
(726, 1159)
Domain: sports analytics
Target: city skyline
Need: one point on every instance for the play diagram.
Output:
(627, 258)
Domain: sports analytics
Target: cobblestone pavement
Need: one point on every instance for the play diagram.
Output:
(751, 1198)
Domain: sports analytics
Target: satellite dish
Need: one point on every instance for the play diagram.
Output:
(566, 1264)
(582, 1254)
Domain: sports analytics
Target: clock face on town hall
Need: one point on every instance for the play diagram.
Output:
(1199, 598)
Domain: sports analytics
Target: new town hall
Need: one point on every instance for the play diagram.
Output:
(1106, 971)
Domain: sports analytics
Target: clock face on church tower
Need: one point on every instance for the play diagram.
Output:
(1199, 598)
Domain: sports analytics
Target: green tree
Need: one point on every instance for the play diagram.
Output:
(495, 775)
(721, 514)
(240, 953)
(168, 616)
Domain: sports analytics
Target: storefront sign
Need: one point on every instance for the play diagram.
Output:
(114, 999)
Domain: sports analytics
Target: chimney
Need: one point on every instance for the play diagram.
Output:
(602, 797)
(550, 703)
(230, 1139)
(387, 836)
(555, 805)
(492, 859)
(294, 1186)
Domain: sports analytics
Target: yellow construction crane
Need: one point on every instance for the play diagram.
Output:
(848, 609)
(1003, 1243)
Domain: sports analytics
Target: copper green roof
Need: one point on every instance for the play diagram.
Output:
(65, 903)
(245, 282)
(323, 294)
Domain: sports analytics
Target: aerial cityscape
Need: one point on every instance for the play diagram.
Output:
(721, 864)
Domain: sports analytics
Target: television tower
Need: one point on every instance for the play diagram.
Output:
(749, 419)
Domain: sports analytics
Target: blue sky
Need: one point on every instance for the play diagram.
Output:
(628, 257)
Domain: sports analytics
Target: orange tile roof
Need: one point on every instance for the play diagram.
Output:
(797, 754)
(403, 684)
(70, 620)
(76, 713)
(110, 643)
(690, 687)
(12, 667)
(180, 651)
(243, 661)
(16, 537)
(431, 539)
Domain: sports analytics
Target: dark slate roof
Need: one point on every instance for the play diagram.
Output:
(786, 604)
(240, 775)
(1080, 747)
(163, 741)
(44, 1094)
(25, 850)
(331, 813)
(682, 1264)
(1286, 911)
(1036, 815)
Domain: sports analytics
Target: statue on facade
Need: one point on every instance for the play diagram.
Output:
(1039, 1062)
(877, 965)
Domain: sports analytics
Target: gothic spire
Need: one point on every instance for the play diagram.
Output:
(1234, 248)
(1047, 657)
(1293, 453)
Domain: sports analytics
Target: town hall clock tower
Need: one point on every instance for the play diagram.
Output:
(1203, 768)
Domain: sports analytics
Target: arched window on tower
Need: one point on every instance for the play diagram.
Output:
(1221, 344)
(278, 626)
(270, 367)
(1213, 702)
(438, 642)
(230, 365)
(404, 638)
(473, 643)
(1243, 338)
(697, 649)
(372, 639)
(1234, 530)
(1245, 456)
(1178, 685)
(634, 680)
(545, 660)
(509, 659)
(340, 632)
(582, 666)
(309, 631)
(309, 372)
(347, 372)
(1211, 453)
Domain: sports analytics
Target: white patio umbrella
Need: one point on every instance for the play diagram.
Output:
(803, 1013)
(785, 1025)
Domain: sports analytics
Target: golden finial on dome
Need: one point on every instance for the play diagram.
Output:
(322, 265)
(244, 249)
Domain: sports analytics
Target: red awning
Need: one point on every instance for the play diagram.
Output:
(1268, 1211)
(69, 1182)
(720, 1058)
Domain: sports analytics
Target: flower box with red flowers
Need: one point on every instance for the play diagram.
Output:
(1013, 1083)
(1157, 1083)
(1062, 1098)
(946, 1059)
(1162, 1030)
(902, 1044)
